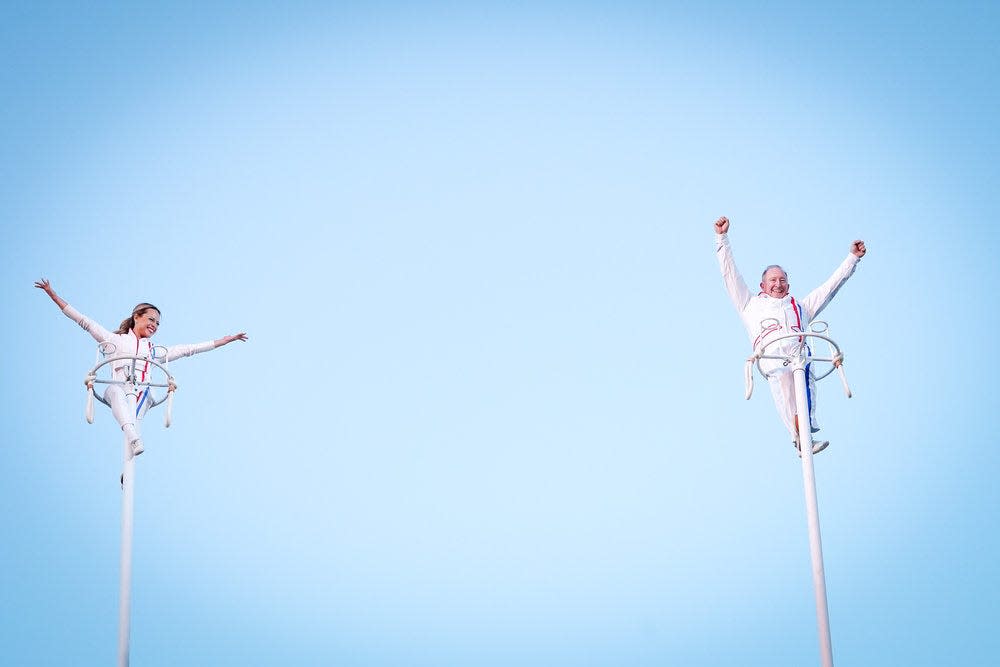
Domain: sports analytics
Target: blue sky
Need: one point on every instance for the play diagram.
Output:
(491, 411)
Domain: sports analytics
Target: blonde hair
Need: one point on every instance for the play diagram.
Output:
(129, 322)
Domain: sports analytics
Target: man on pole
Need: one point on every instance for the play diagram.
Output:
(773, 311)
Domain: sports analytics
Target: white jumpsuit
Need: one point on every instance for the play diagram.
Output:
(127, 407)
(765, 316)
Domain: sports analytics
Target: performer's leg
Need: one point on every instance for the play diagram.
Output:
(783, 392)
(811, 397)
(123, 408)
(142, 404)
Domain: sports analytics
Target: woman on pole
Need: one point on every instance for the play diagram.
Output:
(133, 337)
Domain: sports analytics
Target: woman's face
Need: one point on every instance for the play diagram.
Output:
(146, 323)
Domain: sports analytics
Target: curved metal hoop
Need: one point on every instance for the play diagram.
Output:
(821, 327)
(818, 329)
(92, 379)
(835, 355)
(93, 371)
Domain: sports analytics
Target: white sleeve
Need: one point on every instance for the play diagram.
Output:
(820, 297)
(178, 351)
(736, 287)
(100, 334)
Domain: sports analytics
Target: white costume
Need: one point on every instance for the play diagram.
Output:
(765, 315)
(127, 411)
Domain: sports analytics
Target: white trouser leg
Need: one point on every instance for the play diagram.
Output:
(123, 408)
(811, 394)
(783, 392)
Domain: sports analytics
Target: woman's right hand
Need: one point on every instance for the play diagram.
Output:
(44, 284)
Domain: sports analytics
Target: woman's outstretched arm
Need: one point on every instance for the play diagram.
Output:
(99, 333)
(178, 351)
(225, 340)
(44, 284)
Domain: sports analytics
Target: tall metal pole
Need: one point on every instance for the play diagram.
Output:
(125, 581)
(104, 352)
(812, 510)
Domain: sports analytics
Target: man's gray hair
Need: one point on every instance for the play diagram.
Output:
(773, 266)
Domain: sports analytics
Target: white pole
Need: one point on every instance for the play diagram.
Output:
(125, 582)
(812, 512)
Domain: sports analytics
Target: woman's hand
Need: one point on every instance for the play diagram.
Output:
(225, 340)
(44, 285)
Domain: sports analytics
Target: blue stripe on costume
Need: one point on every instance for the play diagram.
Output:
(809, 398)
(142, 399)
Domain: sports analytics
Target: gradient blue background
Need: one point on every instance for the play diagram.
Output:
(491, 411)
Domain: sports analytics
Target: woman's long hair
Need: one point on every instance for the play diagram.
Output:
(129, 322)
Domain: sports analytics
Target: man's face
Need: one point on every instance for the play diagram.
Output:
(775, 283)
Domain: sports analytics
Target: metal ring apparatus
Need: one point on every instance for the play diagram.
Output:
(91, 379)
(819, 329)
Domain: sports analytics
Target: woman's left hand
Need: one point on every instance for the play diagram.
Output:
(229, 339)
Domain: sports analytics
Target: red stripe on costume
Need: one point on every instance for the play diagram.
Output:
(146, 367)
(149, 352)
(798, 317)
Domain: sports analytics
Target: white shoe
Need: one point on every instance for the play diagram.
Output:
(137, 447)
(818, 446)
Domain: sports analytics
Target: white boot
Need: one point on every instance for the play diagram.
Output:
(134, 441)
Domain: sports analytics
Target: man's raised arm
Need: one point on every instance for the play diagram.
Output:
(736, 287)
